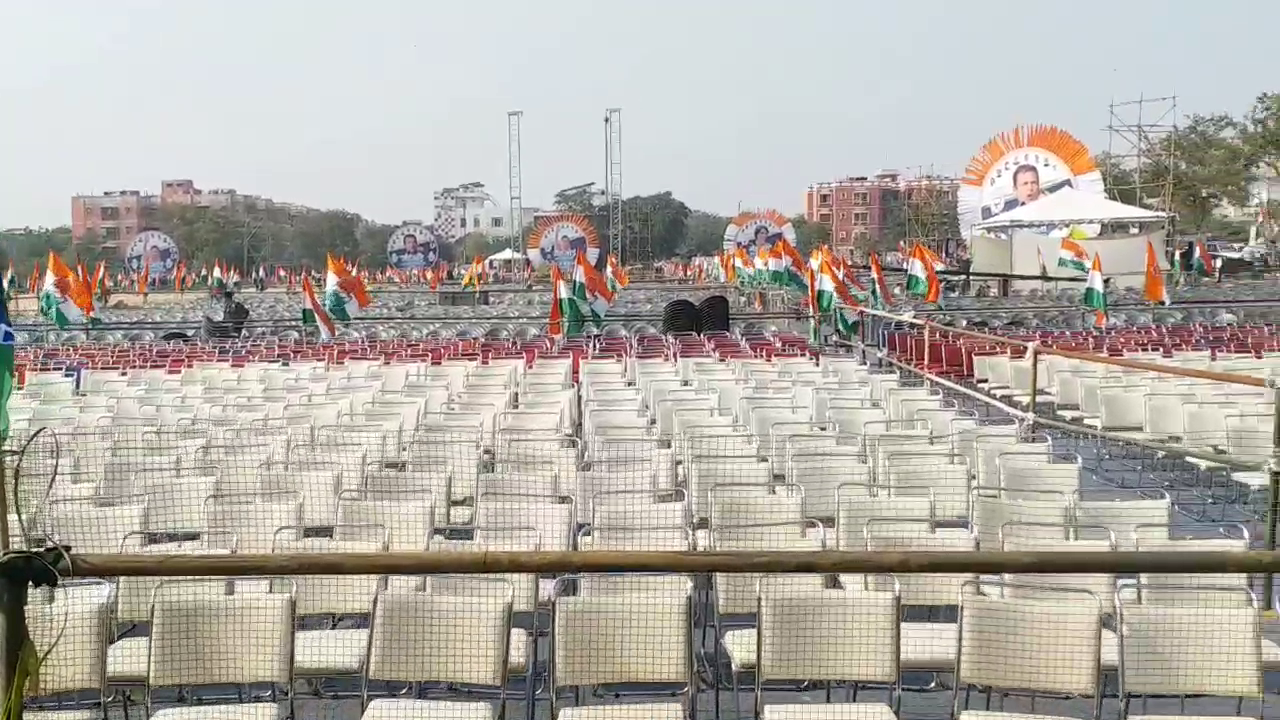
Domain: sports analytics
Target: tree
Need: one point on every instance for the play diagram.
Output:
(809, 235)
(1209, 165)
(703, 234)
(1260, 132)
(474, 244)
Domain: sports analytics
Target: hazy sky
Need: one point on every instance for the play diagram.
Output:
(371, 105)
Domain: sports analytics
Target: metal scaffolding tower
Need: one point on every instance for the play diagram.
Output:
(1140, 159)
(515, 206)
(613, 177)
(929, 205)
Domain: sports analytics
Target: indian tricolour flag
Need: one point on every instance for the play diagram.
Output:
(1072, 257)
(1095, 292)
(922, 281)
(566, 315)
(313, 313)
(831, 294)
(1201, 261)
(344, 293)
(590, 289)
(760, 266)
(218, 281)
(742, 266)
(616, 276)
(880, 297)
(63, 300)
(1154, 291)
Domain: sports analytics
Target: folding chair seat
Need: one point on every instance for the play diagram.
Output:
(331, 651)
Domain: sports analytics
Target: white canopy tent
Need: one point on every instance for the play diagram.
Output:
(1015, 242)
(1071, 207)
(507, 255)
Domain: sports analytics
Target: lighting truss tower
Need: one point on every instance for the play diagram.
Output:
(929, 204)
(613, 178)
(515, 204)
(1140, 155)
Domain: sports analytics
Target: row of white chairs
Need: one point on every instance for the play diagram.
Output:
(457, 631)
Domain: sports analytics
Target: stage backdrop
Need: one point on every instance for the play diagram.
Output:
(1124, 257)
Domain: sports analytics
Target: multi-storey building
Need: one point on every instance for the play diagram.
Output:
(117, 216)
(470, 208)
(867, 211)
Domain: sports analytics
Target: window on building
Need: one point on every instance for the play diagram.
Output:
(843, 235)
(110, 234)
(844, 196)
(824, 218)
(861, 198)
(843, 215)
(475, 222)
(128, 230)
(824, 198)
(109, 212)
(862, 234)
(861, 218)
(495, 222)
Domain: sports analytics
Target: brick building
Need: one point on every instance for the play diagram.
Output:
(873, 210)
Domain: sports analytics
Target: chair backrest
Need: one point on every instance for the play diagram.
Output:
(253, 517)
(1015, 538)
(237, 639)
(405, 518)
(736, 593)
(902, 535)
(1203, 648)
(831, 635)
(647, 640)
(1031, 644)
(1171, 588)
(522, 587)
(69, 627)
(332, 594)
(134, 592)
(430, 637)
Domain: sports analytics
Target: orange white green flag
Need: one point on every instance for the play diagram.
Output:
(1071, 256)
(1095, 292)
(313, 313)
(1153, 290)
(64, 299)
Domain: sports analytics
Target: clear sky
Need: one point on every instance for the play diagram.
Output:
(371, 105)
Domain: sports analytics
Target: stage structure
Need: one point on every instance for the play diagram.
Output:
(1138, 167)
(929, 206)
(613, 178)
(637, 238)
(514, 181)
(1022, 166)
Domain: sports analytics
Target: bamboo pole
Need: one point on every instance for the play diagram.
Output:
(826, 562)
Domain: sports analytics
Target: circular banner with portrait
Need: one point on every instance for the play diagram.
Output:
(753, 230)
(559, 237)
(155, 251)
(1019, 167)
(413, 246)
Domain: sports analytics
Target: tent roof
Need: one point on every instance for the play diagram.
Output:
(507, 254)
(1068, 206)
